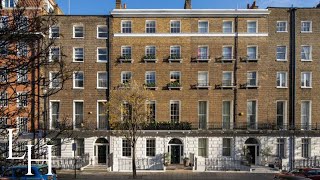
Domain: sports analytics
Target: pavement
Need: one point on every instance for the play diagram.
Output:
(168, 175)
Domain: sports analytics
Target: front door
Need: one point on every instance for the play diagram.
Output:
(251, 157)
(102, 154)
(175, 154)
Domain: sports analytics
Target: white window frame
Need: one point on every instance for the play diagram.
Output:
(50, 111)
(257, 27)
(203, 84)
(199, 55)
(74, 80)
(171, 21)
(51, 54)
(4, 101)
(286, 27)
(228, 46)
(256, 82)
(256, 115)
(304, 80)
(286, 79)
(129, 147)
(19, 119)
(149, 47)
(123, 21)
(310, 54)
(281, 142)
(306, 115)
(103, 61)
(155, 26)
(232, 28)
(74, 54)
(149, 147)
(74, 112)
(98, 120)
(22, 75)
(74, 31)
(98, 80)
(310, 31)
(206, 147)
(149, 72)
(98, 32)
(172, 72)
(257, 52)
(7, 7)
(154, 102)
(124, 72)
(223, 72)
(285, 56)
(123, 47)
(174, 102)
(51, 80)
(18, 101)
(285, 111)
(207, 114)
(199, 26)
(230, 115)
(50, 31)
(308, 152)
(224, 147)
(175, 46)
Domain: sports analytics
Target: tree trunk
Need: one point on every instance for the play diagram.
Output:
(134, 168)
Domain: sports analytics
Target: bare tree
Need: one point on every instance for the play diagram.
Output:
(25, 55)
(131, 102)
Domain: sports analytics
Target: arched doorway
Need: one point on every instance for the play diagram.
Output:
(101, 150)
(175, 149)
(252, 152)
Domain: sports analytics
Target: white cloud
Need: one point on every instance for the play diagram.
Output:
(287, 3)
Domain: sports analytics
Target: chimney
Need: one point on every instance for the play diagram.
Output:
(118, 4)
(253, 6)
(187, 4)
(124, 6)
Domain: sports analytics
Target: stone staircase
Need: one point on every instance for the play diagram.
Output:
(97, 168)
(263, 169)
(177, 167)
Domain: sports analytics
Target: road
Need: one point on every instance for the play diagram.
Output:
(173, 175)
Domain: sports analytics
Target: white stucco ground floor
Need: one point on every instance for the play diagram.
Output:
(202, 153)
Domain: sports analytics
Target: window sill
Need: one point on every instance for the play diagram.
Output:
(306, 87)
(101, 38)
(281, 60)
(77, 37)
(78, 88)
(78, 61)
(279, 87)
(305, 60)
(307, 32)
(175, 60)
(150, 60)
(102, 88)
(102, 61)
(126, 60)
(281, 31)
(175, 88)
(152, 88)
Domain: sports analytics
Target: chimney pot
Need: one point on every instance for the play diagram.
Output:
(187, 4)
(118, 4)
(124, 6)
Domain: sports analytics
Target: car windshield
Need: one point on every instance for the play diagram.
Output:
(295, 171)
(43, 170)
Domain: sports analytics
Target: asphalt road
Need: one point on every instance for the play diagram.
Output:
(174, 175)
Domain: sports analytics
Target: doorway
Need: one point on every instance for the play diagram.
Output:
(252, 151)
(175, 149)
(101, 151)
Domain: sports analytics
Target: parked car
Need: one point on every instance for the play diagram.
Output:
(304, 173)
(19, 172)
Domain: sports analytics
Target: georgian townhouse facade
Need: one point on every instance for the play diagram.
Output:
(237, 86)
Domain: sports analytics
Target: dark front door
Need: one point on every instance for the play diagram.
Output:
(102, 154)
(175, 154)
(251, 154)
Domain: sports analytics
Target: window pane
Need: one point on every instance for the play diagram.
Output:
(227, 27)
(203, 27)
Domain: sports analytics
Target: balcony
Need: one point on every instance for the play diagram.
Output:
(249, 59)
(150, 59)
(201, 59)
(202, 85)
(174, 86)
(151, 86)
(225, 86)
(225, 59)
(249, 86)
(168, 126)
(175, 59)
(125, 59)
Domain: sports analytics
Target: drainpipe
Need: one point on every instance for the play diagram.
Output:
(235, 84)
(292, 82)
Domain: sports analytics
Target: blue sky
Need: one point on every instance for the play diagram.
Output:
(101, 7)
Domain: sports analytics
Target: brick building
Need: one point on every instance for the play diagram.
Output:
(241, 79)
